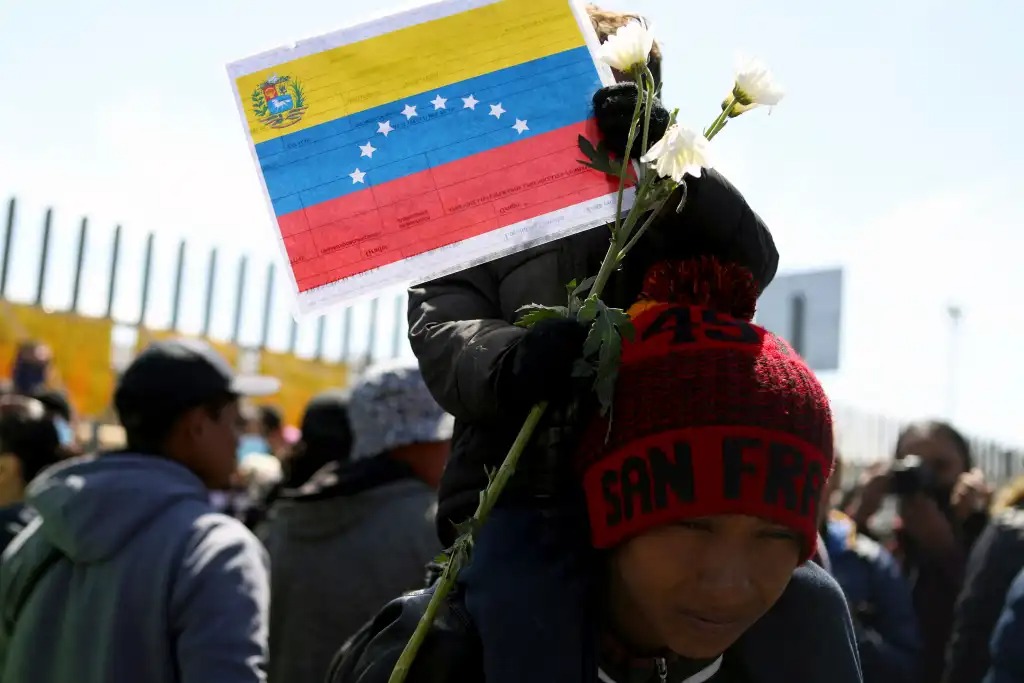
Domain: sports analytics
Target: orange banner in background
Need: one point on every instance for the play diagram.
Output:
(81, 352)
(301, 380)
(226, 349)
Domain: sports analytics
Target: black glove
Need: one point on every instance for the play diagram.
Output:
(613, 109)
(539, 366)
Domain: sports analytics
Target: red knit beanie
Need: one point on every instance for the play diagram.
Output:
(712, 415)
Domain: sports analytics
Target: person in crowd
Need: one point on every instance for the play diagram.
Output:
(487, 371)
(1007, 646)
(878, 594)
(127, 573)
(255, 439)
(943, 501)
(325, 438)
(360, 532)
(700, 490)
(29, 444)
(269, 424)
(32, 367)
(995, 560)
(58, 408)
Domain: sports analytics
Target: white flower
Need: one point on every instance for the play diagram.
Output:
(681, 151)
(627, 47)
(755, 83)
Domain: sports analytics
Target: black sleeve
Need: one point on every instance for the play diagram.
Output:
(995, 560)
(458, 335)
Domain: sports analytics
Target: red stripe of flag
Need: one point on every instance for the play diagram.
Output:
(441, 206)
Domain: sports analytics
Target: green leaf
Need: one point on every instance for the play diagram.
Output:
(586, 147)
(583, 286)
(589, 309)
(531, 314)
(627, 330)
(464, 530)
(604, 341)
(571, 287)
(442, 558)
(581, 369)
(599, 157)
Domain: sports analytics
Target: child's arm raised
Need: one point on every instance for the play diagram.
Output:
(459, 337)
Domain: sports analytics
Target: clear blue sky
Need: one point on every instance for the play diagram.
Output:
(894, 155)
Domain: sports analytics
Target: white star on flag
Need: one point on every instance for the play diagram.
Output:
(357, 176)
(367, 150)
(409, 111)
(521, 126)
(469, 102)
(496, 110)
(384, 127)
(438, 102)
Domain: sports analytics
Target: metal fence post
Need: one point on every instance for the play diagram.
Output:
(114, 258)
(147, 271)
(179, 277)
(44, 257)
(76, 289)
(8, 240)
(211, 281)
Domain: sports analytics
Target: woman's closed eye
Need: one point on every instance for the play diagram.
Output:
(780, 533)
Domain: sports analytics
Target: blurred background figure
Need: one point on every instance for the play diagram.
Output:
(1007, 648)
(879, 596)
(942, 503)
(995, 560)
(28, 444)
(360, 531)
(58, 408)
(31, 367)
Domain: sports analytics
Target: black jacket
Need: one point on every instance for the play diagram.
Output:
(997, 557)
(460, 326)
(807, 637)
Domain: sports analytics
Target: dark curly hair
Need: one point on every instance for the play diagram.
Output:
(940, 429)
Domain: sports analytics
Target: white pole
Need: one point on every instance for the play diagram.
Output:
(955, 314)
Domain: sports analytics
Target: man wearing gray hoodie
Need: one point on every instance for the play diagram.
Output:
(128, 574)
(361, 531)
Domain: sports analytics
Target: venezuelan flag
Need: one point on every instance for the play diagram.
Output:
(394, 145)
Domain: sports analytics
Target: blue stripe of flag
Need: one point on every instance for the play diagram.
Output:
(312, 166)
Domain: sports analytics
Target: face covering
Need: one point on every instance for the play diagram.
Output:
(252, 444)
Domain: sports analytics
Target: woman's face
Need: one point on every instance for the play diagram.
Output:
(937, 452)
(696, 586)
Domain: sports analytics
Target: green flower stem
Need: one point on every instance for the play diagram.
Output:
(488, 498)
(625, 167)
(719, 123)
(655, 211)
(648, 83)
(408, 656)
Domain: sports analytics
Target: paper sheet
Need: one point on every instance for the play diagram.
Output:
(424, 142)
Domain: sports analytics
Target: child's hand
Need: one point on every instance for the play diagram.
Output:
(539, 366)
(613, 109)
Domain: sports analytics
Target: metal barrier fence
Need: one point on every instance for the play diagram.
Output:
(356, 329)
(369, 331)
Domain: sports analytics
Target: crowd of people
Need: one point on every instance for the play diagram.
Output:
(697, 531)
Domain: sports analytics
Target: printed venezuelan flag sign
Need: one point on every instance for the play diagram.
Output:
(424, 142)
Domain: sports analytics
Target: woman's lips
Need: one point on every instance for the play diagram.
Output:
(717, 624)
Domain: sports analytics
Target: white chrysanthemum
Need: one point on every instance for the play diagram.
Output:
(755, 83)
(679, 152)
(627, 47)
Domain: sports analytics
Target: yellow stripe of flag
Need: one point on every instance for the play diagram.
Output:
(352, 78)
